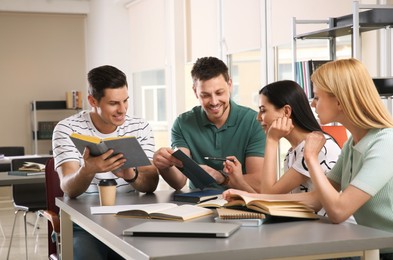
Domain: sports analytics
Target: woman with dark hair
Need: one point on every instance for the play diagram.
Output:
(285, 112)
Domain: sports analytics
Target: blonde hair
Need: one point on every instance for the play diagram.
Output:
(349, 81)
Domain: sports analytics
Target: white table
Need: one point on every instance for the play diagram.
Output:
(298, 239)
(9, 180)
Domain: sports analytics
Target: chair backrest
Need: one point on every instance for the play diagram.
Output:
(338, 132)
(31, 195)
(12, 150)
(53, 190)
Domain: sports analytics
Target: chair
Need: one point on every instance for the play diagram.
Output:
(53, 190)
(17, 163)
(338, 132)
(27, 197)
(10, 151)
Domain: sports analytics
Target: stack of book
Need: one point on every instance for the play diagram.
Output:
(29, 169)
(74, 99)
(45, 129)
(250, 211)
(304, 70)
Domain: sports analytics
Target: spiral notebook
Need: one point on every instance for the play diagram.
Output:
(225, 213)
(242, 217)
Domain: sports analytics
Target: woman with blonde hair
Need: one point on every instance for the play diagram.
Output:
(361, 182)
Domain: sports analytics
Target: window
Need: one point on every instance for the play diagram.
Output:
(154, 106)
(245, 70)
(150, 102)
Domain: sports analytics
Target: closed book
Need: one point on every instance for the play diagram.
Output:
(197, 175)
(25, 173)
(197, 196)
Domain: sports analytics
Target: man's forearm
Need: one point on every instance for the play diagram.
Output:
(147, 179)
(75, 184)
(173, 177)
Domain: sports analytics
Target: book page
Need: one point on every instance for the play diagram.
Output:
(86, 138)
(94, 147)
(123, 208)
(287, 213)
(32, 166)
(273, 207)
(213, 203)
(183, 212)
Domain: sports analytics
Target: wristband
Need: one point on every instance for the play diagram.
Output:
(136, 176)
(226, 178)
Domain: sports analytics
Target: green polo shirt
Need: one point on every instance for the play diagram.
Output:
(241, 135)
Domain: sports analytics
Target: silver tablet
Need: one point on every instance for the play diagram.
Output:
(182, 229)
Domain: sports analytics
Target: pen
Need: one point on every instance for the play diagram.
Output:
(217, 159)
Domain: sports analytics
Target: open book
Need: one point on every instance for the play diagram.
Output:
(32, 167)
(214, 203)
(274, 208)
(127, 145)
(168, 211)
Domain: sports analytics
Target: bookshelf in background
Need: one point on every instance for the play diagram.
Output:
(45, 129)
(44, 116)
(304, 70)
(364, 18)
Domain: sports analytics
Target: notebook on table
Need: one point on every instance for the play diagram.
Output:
(182, 229)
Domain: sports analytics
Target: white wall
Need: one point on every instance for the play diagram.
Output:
(108, 32)
(104, 38)
(108, 37)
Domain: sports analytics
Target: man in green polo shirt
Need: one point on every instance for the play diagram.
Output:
(217, 128)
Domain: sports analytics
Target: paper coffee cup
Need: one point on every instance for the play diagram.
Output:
(107, 191)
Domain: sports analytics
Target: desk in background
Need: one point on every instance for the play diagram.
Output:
(5, 162)
(9, 180)
(319, 239)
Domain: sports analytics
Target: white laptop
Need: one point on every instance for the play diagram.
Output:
(182, 229)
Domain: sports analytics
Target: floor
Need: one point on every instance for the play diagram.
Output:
(37, 243)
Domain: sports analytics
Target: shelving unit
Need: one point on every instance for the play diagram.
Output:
(36, 106)
(376, 17)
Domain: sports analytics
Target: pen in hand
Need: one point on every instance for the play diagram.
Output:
(218, 159)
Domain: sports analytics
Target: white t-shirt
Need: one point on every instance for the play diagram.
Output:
(327, 159)
(64, 149)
